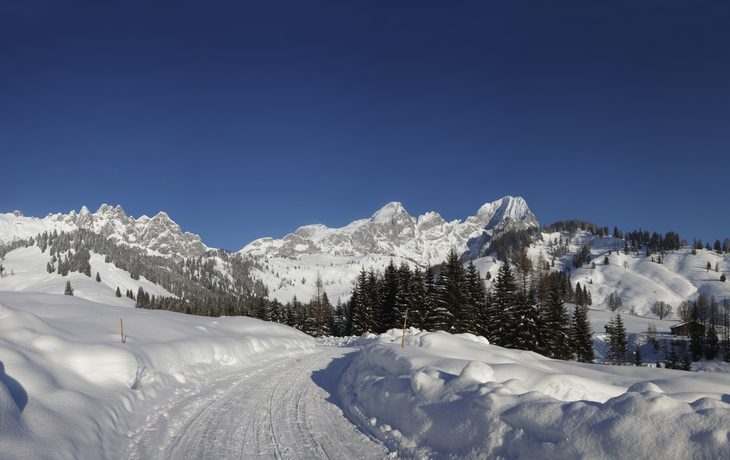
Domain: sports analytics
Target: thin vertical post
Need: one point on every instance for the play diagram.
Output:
(403, 343)
(122, 324)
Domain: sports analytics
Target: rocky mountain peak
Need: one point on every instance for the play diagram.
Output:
(158, 234)
(392, 231)
(389, 212)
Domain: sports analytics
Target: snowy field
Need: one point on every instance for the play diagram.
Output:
(70, 389)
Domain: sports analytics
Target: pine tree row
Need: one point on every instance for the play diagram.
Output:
(529, 317)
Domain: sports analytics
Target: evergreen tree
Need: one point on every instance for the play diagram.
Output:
(339, 320)
(614, 302)
(361, 304)
(140, 297)
(437, 317)
(417, 300)
(262, 309)
(637, 356)
(556, 332)
(452, 292)
(501, 312)
(299, 310)
(98, 278)
(618, 342)
(726, 329)
(403, 295)
(68, 290)
(526, 334)
(582, 336)
(712, 342)
(475, 300)
(579, 295)
(388, 297)
(118, 293)
(319, 312)
(372, 292)
(276, 311)
(696, 335)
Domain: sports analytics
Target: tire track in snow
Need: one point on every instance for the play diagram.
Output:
(288, 409)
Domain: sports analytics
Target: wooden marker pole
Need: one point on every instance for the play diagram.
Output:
(122, 324)
(403, 343)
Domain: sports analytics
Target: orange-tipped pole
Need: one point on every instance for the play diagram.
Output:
(403, 343)
(122, 324)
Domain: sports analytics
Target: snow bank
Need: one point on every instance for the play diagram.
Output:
(328, 341)
(457, 396)
(69, 387)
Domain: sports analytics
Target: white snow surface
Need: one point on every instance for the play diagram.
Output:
(192, 387)
(70, 389)
(457, 396)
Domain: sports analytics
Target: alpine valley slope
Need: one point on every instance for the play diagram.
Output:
(290, 266)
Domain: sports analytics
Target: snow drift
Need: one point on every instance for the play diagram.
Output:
(457, 396)
(69, 387)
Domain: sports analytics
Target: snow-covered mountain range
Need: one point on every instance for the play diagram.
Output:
(392, 231)
(290, 266)
(159, 234)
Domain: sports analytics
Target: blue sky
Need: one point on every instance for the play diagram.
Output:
(242, 121)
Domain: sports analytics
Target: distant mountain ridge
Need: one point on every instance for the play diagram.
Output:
(158, 234)
(392, 231)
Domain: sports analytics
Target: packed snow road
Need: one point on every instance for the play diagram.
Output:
(283, 409)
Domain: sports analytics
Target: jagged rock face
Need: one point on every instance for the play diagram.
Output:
(392, 231)
(158, 234)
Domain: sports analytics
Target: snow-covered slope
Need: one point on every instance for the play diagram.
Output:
(70, 389)
(640, 280)
(25, 271)
(637, 279)
(159, 234)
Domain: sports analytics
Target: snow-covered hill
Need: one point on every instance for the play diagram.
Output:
(640, 280)
(25, 271)
(637, 279)
(159, 234)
